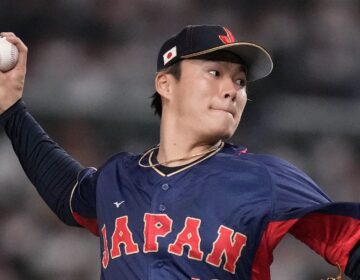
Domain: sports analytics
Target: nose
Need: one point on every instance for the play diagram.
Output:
(229, 89)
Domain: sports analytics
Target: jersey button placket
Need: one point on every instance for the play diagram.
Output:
(162, 207)
(165, 187)
(160, 204)
(156, 270)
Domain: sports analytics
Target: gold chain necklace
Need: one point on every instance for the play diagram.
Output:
(214, 148)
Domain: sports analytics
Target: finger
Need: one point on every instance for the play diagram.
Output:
(22, 48)
(7, 34)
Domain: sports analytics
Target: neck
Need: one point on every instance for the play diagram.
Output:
(178, 147)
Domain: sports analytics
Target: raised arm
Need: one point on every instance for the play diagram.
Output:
(52, 171)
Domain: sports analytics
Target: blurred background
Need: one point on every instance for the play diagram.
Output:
(91, 71)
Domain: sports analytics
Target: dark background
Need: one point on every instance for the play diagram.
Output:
(91, 71)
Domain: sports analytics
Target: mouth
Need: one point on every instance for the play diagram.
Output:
(231, 112)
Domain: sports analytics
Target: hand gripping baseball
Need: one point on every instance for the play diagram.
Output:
(12, 82)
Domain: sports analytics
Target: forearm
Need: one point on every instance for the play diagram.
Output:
(51, 170)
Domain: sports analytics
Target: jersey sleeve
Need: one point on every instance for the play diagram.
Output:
(83, 200)
(51, 170)
(331, 229)
(301, 208)
(293, 191)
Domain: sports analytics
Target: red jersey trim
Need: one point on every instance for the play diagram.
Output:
(271, 237)
(89, 223)
(331, 236)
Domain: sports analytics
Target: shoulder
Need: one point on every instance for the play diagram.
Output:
(283, 176)
(118, 160)
(263, 161)
(269, 162)
(112, 164)
(114, 168)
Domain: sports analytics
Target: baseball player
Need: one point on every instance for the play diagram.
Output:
(194, 206)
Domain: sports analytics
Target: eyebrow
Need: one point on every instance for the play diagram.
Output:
(241, 67)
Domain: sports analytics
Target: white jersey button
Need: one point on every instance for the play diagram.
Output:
(162, 207)
(165, 187)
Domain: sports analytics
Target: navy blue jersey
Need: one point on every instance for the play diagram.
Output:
(218, 219)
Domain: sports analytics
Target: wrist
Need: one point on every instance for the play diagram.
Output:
(7, 114)
(6, 105)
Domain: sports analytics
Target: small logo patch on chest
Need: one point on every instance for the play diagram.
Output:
(117, 204)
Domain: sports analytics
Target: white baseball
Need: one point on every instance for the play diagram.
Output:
(9, 55)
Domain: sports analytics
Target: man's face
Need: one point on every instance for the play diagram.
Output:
(209, 98)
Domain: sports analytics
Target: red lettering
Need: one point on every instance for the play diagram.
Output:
(228, 246)
(188, 236)
(122, 235)
(155, 225)
(105, 258)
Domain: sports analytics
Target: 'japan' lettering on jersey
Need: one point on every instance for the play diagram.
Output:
(218, 219)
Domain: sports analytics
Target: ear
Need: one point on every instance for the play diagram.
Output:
(163, 84)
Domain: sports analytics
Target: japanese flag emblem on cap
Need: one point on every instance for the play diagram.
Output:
(169, 55)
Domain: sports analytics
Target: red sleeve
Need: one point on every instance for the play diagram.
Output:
(332, 230)
(331, 236)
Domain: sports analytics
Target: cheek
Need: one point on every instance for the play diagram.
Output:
(186, 106)
(194, 99)
(242, 100)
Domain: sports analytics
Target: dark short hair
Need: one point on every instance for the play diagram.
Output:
(156, 104)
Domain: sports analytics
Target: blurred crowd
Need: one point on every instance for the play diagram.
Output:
(90, 76)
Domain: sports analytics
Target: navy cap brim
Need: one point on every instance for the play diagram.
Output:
(257, 60)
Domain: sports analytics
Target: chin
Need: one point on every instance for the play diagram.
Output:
(227, 136)
(219, 128)
(222, 134)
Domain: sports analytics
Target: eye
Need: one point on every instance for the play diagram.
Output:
(241, 82)
(215, 73)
